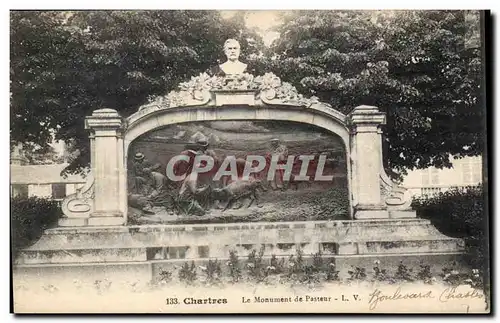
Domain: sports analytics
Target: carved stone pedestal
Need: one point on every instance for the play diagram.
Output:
(151, 247)
(102, 201)
(365, 122)
(375, 195)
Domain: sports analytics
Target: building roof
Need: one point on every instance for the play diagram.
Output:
(41, 174)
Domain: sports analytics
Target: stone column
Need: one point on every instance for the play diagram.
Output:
(366, 137)
(107, 167)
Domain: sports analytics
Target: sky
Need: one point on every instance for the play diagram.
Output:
(262, 20)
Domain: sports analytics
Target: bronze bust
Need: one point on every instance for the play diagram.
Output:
(232, 66)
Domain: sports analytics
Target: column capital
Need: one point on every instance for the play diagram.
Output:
(104, 119)
(366, 115)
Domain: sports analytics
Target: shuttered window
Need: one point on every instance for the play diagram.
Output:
(58, 191)
(19, 190)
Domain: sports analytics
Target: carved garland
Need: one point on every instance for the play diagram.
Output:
(80, 204)
(394, 195)
(196, 91)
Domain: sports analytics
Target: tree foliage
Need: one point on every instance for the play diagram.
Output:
(413, 65)
(64, 65)
(38, 155)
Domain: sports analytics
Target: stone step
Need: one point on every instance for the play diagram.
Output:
(55, 274)
(214, 250)
(167, 242)
(146, 271)
(192, 252)
(227, 234)
(96, 255)
(410, 244)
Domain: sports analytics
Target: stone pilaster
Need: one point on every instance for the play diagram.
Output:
(107, 167)
(365, 122)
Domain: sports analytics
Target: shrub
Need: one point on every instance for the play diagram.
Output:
(318, 262)
(234, 266)
(404, 273)
(357, 273)
(187, 273)
(165, 276)
(425, 273)
(313, 273)
(213, 272)
(255, 265)
(29, 218)
(276, 266)
(331, 272)
(296, 264)
(380, 274)
(460, 213)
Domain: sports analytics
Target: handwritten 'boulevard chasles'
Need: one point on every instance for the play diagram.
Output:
(448, 294)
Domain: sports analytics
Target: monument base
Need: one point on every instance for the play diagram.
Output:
(382, 213)
(95, 220)
(370, 211)
(90, 252)
(73, 222)
(371, 214)
(402, 214)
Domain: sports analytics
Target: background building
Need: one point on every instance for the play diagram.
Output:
(40, 180)
(465, 172)
(43, 181)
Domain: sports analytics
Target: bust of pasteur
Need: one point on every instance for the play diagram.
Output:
(232, 66)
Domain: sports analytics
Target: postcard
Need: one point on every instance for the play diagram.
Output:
(184, 161)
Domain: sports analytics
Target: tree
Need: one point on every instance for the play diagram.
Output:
(413, 65)
(64, 65)
(37, 155)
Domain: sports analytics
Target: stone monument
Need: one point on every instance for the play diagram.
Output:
(93, 235)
